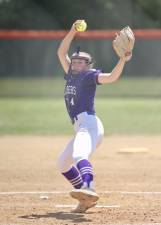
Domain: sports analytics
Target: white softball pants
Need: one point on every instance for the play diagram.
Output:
(89, 134)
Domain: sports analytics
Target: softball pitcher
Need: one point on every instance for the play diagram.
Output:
(81, 81)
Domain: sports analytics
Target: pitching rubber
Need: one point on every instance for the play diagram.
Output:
(84, 195)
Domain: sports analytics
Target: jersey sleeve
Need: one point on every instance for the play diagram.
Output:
(66, 76)
(91, 78)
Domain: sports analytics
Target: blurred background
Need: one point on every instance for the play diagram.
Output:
(31, 78)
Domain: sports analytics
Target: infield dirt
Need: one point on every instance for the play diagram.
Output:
(129, 181)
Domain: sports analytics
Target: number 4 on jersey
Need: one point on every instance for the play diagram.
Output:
(72, 101)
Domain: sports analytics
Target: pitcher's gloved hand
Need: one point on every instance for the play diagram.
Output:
(123, 44)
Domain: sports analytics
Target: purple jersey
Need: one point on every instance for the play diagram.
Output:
(80, 91)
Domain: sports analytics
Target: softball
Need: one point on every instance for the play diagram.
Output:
(81, 26)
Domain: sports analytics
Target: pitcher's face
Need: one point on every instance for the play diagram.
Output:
(79, 65)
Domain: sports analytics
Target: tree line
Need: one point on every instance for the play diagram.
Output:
(100, 14)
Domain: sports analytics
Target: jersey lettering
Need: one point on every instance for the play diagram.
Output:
(72, 101)
(80, 91)
(70, 90)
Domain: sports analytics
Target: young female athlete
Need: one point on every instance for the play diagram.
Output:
(81, 81)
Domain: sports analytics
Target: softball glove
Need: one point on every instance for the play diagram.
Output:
(123, 44)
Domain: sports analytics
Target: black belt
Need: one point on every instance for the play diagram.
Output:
(75, 118)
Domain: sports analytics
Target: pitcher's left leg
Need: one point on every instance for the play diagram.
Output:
(82, 149)
(85, 143)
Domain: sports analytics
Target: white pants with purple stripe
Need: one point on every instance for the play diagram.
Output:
(89, 133)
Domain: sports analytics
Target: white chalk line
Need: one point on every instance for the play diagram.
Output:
(97, 206)
(66, 192)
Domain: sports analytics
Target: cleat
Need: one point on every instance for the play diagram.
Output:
(83, 206)
(87, 195)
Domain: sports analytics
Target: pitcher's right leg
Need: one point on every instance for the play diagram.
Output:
(66, 167)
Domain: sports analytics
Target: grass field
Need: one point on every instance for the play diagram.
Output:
(36, 106)
(53, 87)
(48, 116)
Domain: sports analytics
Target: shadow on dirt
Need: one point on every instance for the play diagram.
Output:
(72, 217)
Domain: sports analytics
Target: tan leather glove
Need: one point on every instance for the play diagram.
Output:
(123, 44)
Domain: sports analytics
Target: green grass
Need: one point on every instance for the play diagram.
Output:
(53, 87)
(36, 106)
(48, 116)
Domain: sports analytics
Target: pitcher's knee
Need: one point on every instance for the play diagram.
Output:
(100, 137)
